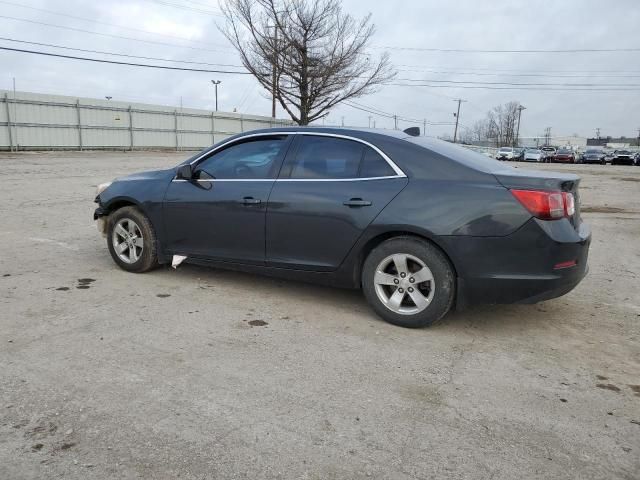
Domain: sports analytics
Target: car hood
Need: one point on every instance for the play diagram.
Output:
(148, 175)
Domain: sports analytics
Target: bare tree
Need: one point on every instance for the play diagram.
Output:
(309, 54)
(501, 122)
(480, 130)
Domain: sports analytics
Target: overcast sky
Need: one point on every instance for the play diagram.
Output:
(183, 30)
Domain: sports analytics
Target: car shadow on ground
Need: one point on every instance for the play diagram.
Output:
(487, 318)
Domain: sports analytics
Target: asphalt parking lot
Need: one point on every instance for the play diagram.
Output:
(200, 373)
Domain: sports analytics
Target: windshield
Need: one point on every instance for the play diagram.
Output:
(505, 149)
(624, 152)
(533, 150)
(564, 150)
(592, 152)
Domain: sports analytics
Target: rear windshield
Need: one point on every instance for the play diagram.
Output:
(592, 151)
(505, 149)
(461, 155)
(564, 150)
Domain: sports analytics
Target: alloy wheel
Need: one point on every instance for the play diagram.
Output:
(127, 240)
(404, 284)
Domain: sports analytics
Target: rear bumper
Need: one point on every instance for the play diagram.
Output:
(519, 268)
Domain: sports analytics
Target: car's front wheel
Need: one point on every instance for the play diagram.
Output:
(408, 282)
(132, 240)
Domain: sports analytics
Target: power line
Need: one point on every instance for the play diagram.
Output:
(84, 19)
(494, 69)
(102, 52)
(471, 82)
(113, 62)
(240, 66)
(111, 35)
(488, 87)
(187, 7)
(501, 74)
(473, 50)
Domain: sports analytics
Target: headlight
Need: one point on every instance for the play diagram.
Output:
(102, 187)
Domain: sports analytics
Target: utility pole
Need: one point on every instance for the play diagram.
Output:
(598, 133)
(638, 141)
(343, 120)
(457, 115)
(369, 121)
(395, 121)
(215, 84)
(547, 135)
(424, 128)
(520, 108)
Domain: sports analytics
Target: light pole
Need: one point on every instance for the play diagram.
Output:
(520, 108)
(215, 84)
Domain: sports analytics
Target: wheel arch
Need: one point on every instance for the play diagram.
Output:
(119, 202)
(380, 237)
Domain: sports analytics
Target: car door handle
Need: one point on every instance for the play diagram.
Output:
(357, 202)
(251, 201)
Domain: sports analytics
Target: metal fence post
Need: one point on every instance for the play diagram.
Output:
(130, 129)
(175, 125)
(79, 123)
(6, 102)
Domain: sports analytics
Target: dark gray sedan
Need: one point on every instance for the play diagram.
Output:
(420, 225)
(594, 156)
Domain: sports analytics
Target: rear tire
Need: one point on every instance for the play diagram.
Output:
(408, 282)
(132, 240)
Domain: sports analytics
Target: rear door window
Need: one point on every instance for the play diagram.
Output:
(326, 158)
(373, 165)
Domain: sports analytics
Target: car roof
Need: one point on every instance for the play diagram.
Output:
(404, 149)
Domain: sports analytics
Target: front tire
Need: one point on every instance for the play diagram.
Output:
(408, 282)
(132, 240)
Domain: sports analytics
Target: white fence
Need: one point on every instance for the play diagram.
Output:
(31, 121)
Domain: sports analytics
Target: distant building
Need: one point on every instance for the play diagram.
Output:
(612, 142)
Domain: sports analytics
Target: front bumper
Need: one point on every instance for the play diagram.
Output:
(622, 161)
(100, 217)
(519, 268)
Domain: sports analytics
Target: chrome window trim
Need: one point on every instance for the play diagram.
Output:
(287, 179)
(391, 163)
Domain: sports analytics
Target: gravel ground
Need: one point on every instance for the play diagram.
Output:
(201, 373)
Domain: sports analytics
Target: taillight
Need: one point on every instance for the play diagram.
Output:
(546, 205)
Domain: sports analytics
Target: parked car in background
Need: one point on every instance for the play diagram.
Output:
(533, 155)
(518, 154)
(505, 153)
(381, 211)
(548, 152)
(564, 155)
(622, 157)
(608, 155)
(593, 155)
(637, 162)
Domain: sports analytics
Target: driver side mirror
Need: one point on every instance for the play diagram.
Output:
(185, 172)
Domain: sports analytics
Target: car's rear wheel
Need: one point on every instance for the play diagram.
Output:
(408, 282)
(132, 240)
